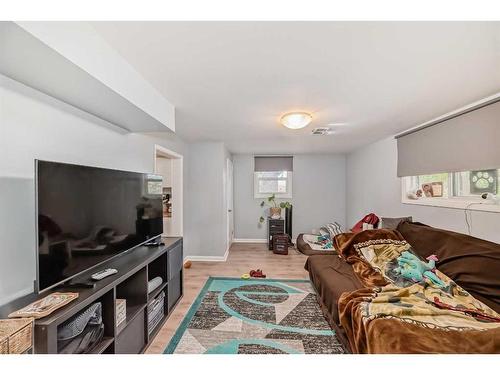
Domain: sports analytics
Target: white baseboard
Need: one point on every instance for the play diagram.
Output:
(250, 240)
(208, 258)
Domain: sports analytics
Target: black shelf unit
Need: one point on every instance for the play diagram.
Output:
(157, 291)
(135, 268)
(103, 346)
(132, 313)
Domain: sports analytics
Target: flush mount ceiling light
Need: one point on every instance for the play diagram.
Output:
(296, 120)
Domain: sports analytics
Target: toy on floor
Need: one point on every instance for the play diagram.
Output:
(245, 276)
(412, 268)
(258, 274)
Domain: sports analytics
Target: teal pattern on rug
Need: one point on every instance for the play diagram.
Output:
(256, 316)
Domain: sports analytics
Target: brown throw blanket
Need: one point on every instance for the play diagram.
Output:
(345, 242)
(395, 315)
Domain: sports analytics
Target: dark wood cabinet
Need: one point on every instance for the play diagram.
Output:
(274, 226)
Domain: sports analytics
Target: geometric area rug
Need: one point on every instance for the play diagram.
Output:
(256, 316)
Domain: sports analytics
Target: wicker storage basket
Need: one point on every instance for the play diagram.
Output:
(16, 335)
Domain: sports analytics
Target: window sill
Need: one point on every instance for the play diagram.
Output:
(459, 204)
(276, 195)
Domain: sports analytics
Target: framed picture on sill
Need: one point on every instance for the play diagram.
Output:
(427, 190)
(437, 189)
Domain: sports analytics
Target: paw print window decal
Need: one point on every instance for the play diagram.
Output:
(484, 181)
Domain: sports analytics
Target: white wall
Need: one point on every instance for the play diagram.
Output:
(36, 126)
(319, 192)
(84, 47)
(374, 187)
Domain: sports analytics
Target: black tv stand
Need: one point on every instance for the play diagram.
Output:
(135, 268)
(79, 285)
(153, 243)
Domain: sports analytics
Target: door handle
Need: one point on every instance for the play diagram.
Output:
(229, 210)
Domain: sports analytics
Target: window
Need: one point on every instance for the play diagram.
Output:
(429, 185)
(273, 175)
(278, 183)
(456, 190)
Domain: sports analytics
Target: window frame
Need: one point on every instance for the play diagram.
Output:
(462, 202)
(287, 194)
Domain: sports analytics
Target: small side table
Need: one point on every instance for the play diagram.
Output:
(274, 226)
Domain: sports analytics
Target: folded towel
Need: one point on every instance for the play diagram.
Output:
(154, 283)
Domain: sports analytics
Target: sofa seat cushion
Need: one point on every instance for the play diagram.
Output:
(472, 263)
(331, 276)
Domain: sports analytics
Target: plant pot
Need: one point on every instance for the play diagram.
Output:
(275, 212)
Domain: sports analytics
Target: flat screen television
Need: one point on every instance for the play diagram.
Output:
(88, 215)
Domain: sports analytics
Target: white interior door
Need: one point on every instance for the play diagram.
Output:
(230, 209)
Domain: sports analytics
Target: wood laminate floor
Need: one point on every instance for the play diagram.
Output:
(241, 259)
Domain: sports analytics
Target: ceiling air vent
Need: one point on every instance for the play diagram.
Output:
(321, 131)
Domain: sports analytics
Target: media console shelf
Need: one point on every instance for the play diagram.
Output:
(135, 268)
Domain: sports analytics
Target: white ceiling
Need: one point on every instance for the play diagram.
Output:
(231, 81)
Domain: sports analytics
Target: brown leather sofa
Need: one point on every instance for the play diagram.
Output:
(472, 263)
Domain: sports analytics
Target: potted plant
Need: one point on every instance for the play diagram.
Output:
(274, 207)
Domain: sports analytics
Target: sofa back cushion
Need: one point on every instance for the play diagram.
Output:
(472, 263)
(392, 222)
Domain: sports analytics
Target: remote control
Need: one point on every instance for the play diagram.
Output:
(104, 273)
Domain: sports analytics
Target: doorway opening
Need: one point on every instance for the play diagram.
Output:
(169, 165)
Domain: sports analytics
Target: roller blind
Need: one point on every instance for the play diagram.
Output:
(465, 141)
(273, 163)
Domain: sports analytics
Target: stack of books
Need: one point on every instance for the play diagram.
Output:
(121, 311)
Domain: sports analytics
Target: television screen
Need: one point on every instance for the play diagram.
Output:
(88, 215)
